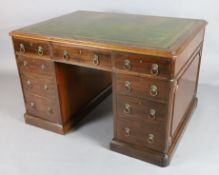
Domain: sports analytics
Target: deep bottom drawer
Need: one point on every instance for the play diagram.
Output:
(141, 134)
(41, 107)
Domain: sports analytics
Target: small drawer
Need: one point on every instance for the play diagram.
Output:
(143, 87)
(38, 48)
(32, 65)
(87, 57)
(150, 65)
(41, 107)
(141, 110)
(38, 85)
(141, 134)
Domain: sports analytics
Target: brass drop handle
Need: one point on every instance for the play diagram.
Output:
(25, 63)
(127, 65)
(127, 85)
(43, 66)
(96, 60)
(49, 110)
(127, 109)
(154, 69)
(66, 55)
(22, 48)
(32, 104)
(152, 114)
(45, 87)
(150, 138)
(127, 131)
(29, 83)
(153, 90)
(40, 51)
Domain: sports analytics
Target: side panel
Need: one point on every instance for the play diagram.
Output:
(185, 92)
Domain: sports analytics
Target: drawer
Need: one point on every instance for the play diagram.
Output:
(154, 66)
(141, 134)
(41, 107)
(38, 85)
(141, 110)
(35, 47)
(83, 56)
(35, 65)
(143, 87)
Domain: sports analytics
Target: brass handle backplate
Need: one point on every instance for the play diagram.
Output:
(32, 104)
(49, 110)
(127, 65)
(43, 66)
(45, 87)
(127, 131)
(153, 90)
(152, 114)
(127, 85)
(29, 83)
(127, 109)
(150, 138)
(66, 55)
(40, 51)
(22, 48)
(154, 69)
(96, 60)
(25, 63)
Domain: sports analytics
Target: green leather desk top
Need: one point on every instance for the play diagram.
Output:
(121, 29)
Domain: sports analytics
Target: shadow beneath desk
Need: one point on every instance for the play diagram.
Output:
(98, 124)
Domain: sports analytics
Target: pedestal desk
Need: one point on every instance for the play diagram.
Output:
(69, 64)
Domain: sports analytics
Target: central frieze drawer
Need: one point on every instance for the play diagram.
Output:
(83, 56)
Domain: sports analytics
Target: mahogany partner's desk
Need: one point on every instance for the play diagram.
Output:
(68, 64)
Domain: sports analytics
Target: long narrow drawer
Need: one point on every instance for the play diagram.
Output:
(33, 47)
(38, 66)
(90, 58)
(39, 85)
(41, 107)
(141, 134)
(144, 64)
(141, 110)
(142, 87)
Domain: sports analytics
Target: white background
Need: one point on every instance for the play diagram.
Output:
(29, 150)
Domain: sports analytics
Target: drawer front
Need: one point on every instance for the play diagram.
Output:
(38, 48)
(41, 107)
(87, 57)
(35, 65)
(141, 134)
(141, 110)
(142, 87)
(38, 85)
(150, 65)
